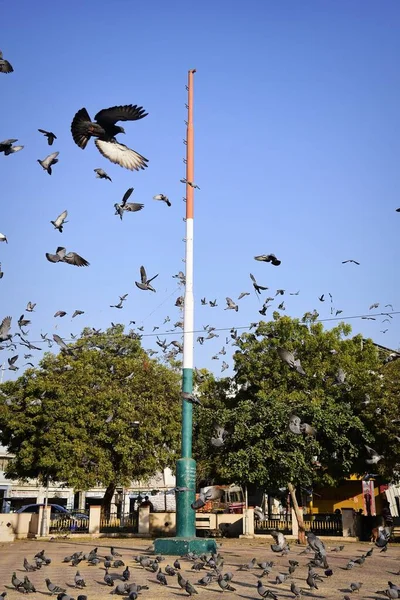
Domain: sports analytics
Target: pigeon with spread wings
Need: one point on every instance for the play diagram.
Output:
(47, 162)
(7, 147)
(5, 66)
(104, 128)
(50, 136)
(145, 284)
(59, 222)
(71, 258)
(127, 206)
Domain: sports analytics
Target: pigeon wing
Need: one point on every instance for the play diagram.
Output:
(54, 258)
(294, 424)
(121, 155)
(50, 159)
(127, 112)
(72, 258)
(61, 218)
(143, 276)
(80, 128)
(5, 326)
(133, 207)
(127, 195)
(58, 340)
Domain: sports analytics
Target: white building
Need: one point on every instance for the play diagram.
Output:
(14, 494)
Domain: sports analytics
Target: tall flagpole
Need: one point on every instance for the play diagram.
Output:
(186, 466)
(185, 539)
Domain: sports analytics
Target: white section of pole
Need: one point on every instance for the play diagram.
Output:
(188, 312)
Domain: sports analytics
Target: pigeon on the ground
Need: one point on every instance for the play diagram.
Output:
(162, 198)
(59, 222)
(280, 541)
(5, 66)
(47, 162)
(79, 581)
(54, 589)
(127, 206)
(7, 147)
(104, 128)
(100, 174)
(71, 258)
(145, 283)
(50, 136)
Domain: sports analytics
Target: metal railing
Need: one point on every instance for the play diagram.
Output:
(72, 524)
(119, 524)
(324, 524)
(278, 523)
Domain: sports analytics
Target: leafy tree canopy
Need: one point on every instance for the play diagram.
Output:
(101, 412)
(256, 404)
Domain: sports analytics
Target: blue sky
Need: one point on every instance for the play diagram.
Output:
(296, 152)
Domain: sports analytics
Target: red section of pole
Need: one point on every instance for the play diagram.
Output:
(190, 149)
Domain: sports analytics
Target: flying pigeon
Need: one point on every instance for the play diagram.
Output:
(3, 238)
(5, 66)
(58, 340)
(374, 456)
(288, 357)
(77, 313)
(213, 493)
(71, 258)
(59, 222)
(11, 363)
(350, 261)
(145, 284)
(127, 206)
(268, 258)
(1, 272)
(243, 294)
(190, 398)
(50, 136)
(30, 306)
(7, 147)
(163, 199)
(5, 327)
(104, 128)
(100, 174)
(374, 305)
(256, 286)
(231, 305)
(60, 313)
(47, 162)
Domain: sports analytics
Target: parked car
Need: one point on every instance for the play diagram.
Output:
(57, 511)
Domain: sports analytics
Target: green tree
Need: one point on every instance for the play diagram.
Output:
(100, 412)
(265, 391)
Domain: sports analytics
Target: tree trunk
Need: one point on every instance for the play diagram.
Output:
(107, 498)
(299, 515)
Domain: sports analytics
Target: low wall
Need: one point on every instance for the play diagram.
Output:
(162, 524)
(16, 526)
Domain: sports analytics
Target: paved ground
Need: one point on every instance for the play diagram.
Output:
(374, 574)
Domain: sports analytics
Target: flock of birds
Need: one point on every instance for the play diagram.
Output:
(104, 129)
(210, 570)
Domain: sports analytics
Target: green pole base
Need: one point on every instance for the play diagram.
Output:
(185, 515)
(180, 546)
